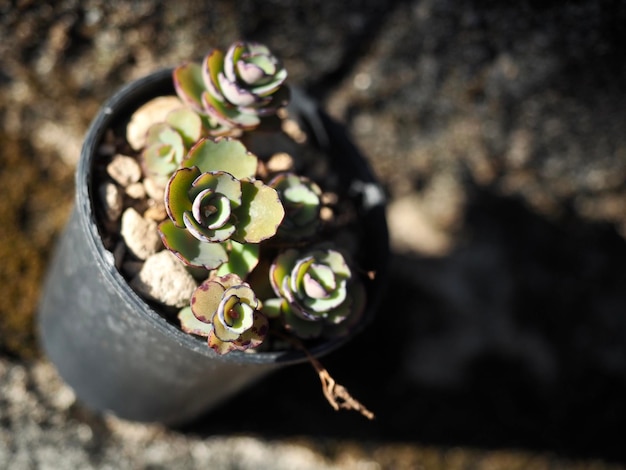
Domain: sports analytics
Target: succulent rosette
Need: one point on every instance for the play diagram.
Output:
(213, 204)
(301, 199)
(225, 310)
(236, 89)
(316, 291)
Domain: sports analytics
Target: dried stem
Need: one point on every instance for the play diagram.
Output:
(336, 394)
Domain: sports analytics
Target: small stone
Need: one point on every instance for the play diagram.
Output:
(156, 212)
(330, 198)
(140, 234)
(125, 170)
(136, 191)
(411, 229)
(152, 112)
(278, 162)
(293, 130)
(112, 200)
(163, 278)
(154, 190)
(326, 214)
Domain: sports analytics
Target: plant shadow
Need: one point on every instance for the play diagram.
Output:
(515, 339)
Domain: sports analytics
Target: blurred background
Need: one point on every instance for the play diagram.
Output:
(498, 132)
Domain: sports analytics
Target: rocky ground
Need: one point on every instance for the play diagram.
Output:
(497, 129)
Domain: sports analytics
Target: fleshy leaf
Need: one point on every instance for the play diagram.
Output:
(219, 346)
(159, 160)
(242, 259)
(272, 308)
(211, 66)
(206, 300)
(190, 250)
(177, 200)
(187, 123)
(190, 324)
(228, 114)
(304, 329)
(260, 213)
(254, 336)
(205, 234)
(281, 268)
(189, 84)
(222, 154)
(220, 182)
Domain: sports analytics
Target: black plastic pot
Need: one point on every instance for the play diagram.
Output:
(115, 350)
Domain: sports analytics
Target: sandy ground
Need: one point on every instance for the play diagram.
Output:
(498, 132)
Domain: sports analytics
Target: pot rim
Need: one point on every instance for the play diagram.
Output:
(120, 106)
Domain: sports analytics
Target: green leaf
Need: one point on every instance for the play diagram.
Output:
(272, 307)
(220, 182)
(254, 336)
(206, 299)
(177, 200)
(189, 84)
(260, 213)
(190, 250)
(228, 115)
(219, 346)
(281, 268)
(212, 65)
(222, 154)
(190, 324)
(242, 259)
(160, 160)
(304, 329)
(187, 123)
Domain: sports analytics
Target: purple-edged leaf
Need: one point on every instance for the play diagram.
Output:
(222, 154)
(206, 300)
(271, 86)
(189, 84)
(190, 324)
(205, 234)
(341, 327)
(256, 48)
(177, 200)
(222, 333)
(228, 115)
(249, 72)
(281, 269)
(232, 56)
(219, 346)
(254, 336)
(218, 181)
(266, 64)
(235, 94)
(260, 213)
(275, 101)
(304, 329)
(190, 250)
(212, 65)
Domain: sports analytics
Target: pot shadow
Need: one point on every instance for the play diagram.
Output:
(515, 339)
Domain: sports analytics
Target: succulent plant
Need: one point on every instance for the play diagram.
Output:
(225, 310)
(167, 143)
(301, 199)
(234, 90)
(315, 289)
(213, 203)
